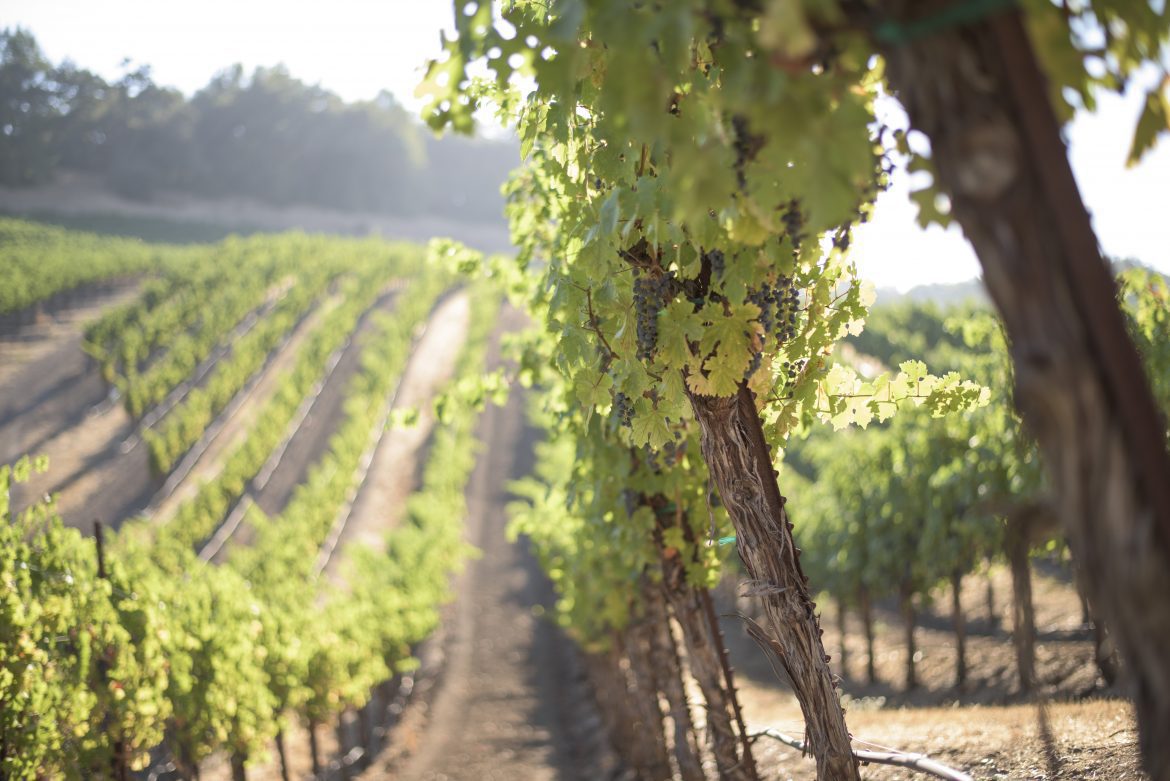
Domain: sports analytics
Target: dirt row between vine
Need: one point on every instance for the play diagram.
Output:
(500, 695)
(45, 377)
(308, 442)
(395, 470)
(311, 439)
(94, 475)
(393, 475)
(203, 372)
(91, 468)
(506, 699)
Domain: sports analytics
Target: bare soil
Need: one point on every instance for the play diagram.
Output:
(53, 400)
(1056, 742)
(98, 466)
(393, 472)
(46, 382)
(1070, 728)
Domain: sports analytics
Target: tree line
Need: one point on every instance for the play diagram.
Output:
(264, 135)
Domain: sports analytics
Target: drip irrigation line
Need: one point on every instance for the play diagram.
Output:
(919, 762)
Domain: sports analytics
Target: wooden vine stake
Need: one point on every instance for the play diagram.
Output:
(978, 94)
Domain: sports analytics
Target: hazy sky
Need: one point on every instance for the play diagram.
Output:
(359, 47)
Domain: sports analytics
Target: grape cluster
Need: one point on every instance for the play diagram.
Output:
(791, 370)
(757, 359)
(794, 223)
(779, 307)
(842, 237)
(763, 298)
(667, 456)
(745, 146)
(623, 410)
(718, 263)
(786, 296)
(650, 294)
(672, 452)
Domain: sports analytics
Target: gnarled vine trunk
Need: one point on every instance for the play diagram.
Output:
(238, 771)
(607, 683)
(989, 585)
(642, 689)
(314, 749)
(282, 755)
(866, 606)
(843, 649)
(959, 622)
(667, 669)
(978, 94)
(741, 466)
(625, 723)
(1017, 547)
(704, 645)
(906, 607)
(1104, 652)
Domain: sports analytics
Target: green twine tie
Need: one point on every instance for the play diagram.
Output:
(957, 15)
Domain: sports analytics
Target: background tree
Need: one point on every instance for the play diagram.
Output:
(264, 135)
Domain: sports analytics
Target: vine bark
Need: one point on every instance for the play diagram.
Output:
(740, 462)
(667, 669)
(978, 94)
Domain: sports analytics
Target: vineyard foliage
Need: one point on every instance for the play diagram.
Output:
(693, 174)
(41, 261)
(683, 237)
(163, 648)
(219, 316)
(906, 506)
(1145, 298)
(921, 499)
(674, 243)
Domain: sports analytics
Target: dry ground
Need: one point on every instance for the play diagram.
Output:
(1071, 728)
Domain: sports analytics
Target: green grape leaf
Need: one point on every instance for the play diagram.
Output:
(1153, 121)
(648, 426)
(678, 325)
(729, 336)
(592, 389)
